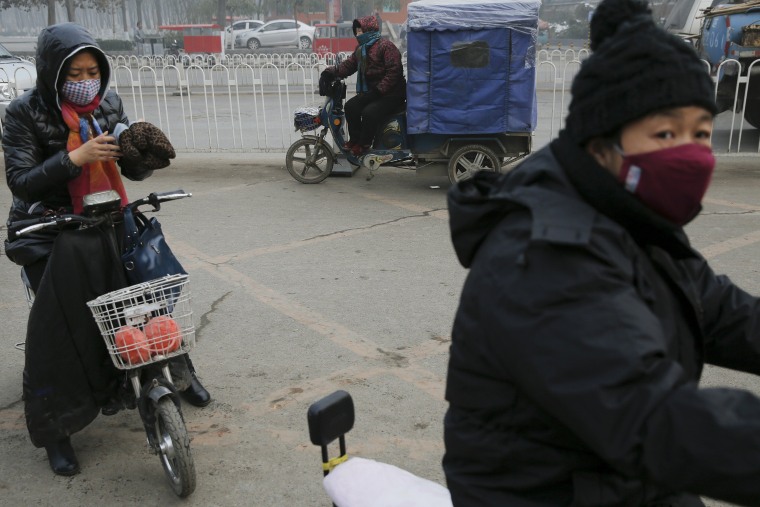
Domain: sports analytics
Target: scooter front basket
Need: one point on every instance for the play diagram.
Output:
(147, 322)
(307, 118)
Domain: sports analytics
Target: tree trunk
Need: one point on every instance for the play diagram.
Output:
(51, 12)
(124, 15)
(221, 13)
(159, 16)
(71, 11)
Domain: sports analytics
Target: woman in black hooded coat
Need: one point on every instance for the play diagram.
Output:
(68, 376)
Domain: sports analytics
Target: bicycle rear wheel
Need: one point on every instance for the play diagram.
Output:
(174, 448)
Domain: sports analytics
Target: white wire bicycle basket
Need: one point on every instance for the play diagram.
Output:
(146, 322)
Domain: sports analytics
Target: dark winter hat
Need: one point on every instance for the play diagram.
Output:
(367, 24)
(636, 68)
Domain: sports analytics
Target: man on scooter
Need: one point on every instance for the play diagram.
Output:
(380, 84)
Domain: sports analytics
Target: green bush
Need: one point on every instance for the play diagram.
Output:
(115, 44)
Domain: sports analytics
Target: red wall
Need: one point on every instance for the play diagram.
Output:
(203, 44)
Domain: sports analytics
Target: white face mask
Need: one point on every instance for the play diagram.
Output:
(81, 93)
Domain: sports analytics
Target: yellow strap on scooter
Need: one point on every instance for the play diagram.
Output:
(328, 467)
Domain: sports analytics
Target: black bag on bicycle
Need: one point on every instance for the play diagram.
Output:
(146, 255)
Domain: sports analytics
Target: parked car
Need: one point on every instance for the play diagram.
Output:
(279, 32)
(238, 27)
(16, 76)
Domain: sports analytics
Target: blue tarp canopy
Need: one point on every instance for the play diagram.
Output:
(471, 66)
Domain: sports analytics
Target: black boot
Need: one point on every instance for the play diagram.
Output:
(113, 407)
(62, 459)
(196, 394)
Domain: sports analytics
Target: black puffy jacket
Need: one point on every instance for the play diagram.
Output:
(35, 136)
(578, 346)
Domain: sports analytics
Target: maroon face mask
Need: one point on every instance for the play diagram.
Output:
(671, 182)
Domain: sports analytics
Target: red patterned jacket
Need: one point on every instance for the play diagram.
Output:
(384, 69)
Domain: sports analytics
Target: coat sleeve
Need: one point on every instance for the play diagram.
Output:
(31, 175)
(394, 70)
(731, 320)
(570, 331)
(116, 114)
(348, 66)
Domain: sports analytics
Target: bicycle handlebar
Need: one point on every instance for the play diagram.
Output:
(22, 227)
(156, 198)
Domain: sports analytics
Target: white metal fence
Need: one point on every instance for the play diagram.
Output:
(731, 134)
(245, 102)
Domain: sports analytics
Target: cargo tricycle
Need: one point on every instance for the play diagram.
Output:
(471, 98)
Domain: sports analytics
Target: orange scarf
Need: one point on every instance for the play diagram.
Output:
(96, 176)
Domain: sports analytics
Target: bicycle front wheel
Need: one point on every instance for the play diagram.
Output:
(174, 448)
(309, 160)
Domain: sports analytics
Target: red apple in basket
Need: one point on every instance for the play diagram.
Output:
(132, 345)
(163, 334)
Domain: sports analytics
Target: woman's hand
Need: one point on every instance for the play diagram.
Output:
(99, 148)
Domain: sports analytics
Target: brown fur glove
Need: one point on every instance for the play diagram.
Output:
(143, 144)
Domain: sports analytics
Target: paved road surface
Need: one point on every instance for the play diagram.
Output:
(301, 290)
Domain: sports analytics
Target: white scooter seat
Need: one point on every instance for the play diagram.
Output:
(363, 482)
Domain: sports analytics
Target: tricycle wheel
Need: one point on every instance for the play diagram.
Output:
(174, 447)
(468, 160)
(309, 160)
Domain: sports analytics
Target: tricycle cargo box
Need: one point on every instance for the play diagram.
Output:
(471, 66)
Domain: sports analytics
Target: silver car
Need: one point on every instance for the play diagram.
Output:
(16, 76)
(238, 27)
(279, 32)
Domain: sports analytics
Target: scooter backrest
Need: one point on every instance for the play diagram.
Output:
(330, 418)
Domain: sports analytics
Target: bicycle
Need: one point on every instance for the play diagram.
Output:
(143, 326)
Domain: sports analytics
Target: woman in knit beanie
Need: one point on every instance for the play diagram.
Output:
(586, 317)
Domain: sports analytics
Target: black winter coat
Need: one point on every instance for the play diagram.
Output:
(68, 375)
(37, 167)
(578, 346)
